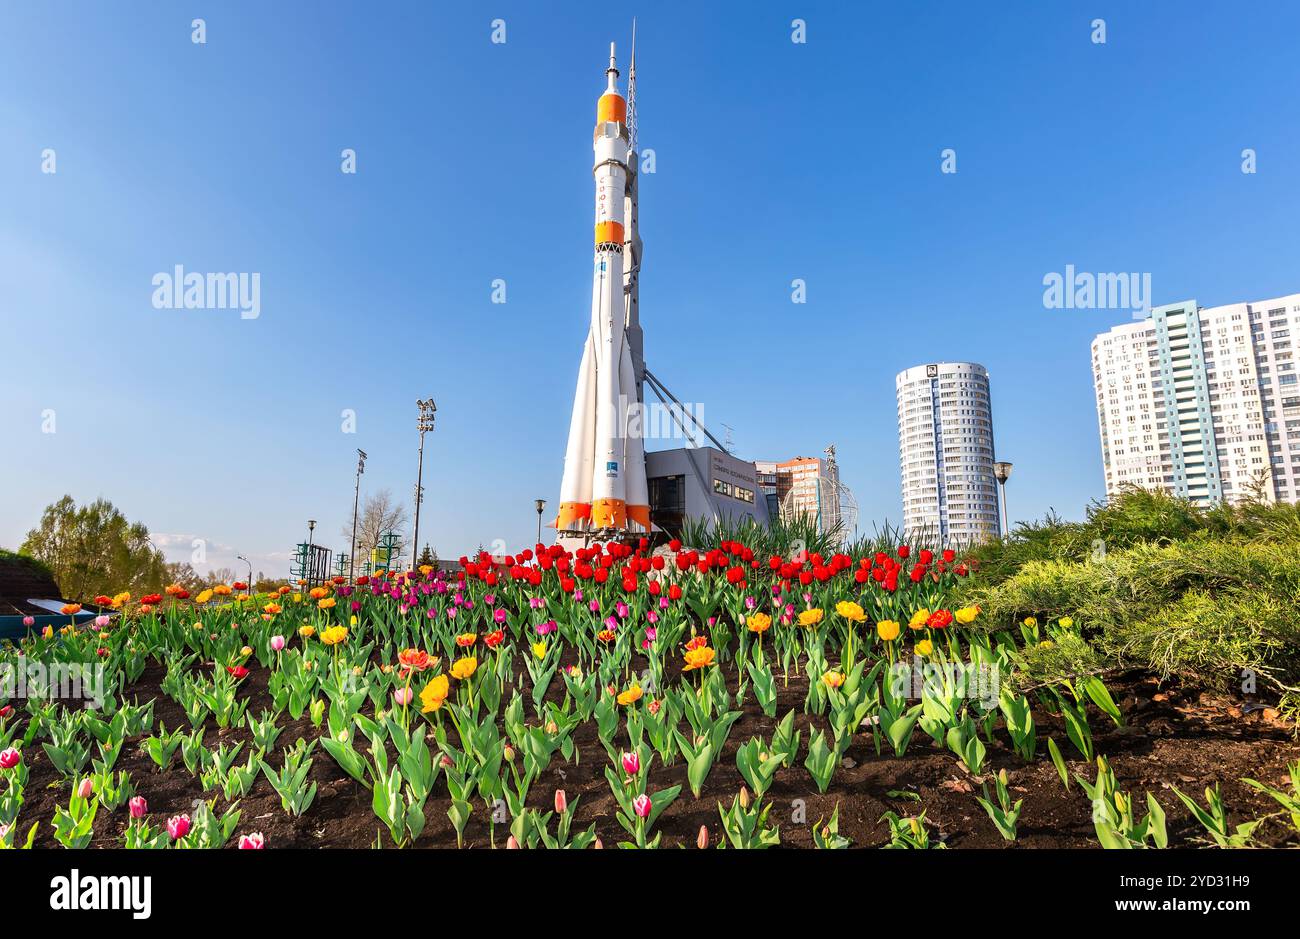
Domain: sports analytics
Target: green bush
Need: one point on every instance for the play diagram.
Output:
(1201, 608)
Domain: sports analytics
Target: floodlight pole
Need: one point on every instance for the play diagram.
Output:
(1002, 472)
(423, 425)
(356, 501)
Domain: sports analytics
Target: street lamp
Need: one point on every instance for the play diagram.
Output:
(541, 504)
(424, 424)
(1002, 472)
(356, 499)
(240, 557)
(311, 537)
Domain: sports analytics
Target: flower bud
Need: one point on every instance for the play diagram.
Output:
(702, 839)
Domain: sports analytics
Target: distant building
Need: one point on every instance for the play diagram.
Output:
(701, 483)
(945, 452)
(805, 486)
(1202, 403)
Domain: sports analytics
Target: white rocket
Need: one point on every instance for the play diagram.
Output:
(604, 486)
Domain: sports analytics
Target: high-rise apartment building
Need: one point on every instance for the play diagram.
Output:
(945, 452)
(1202, 403)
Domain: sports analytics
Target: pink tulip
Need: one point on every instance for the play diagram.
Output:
(403, 696)
(86, 789)
(10, 758)
(631, 763)
(178, 826)
(139, 807)
(277, 643)
(641, 805)
(253, 842)
(101, 621)
(512, 844)
(561, 802)
(29, 621)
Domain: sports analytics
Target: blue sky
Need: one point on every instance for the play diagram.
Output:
(775, 161)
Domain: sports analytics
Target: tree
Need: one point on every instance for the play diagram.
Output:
(94, 550)
(379, 514)
(222, 575)
(428, 557)
(184, 574)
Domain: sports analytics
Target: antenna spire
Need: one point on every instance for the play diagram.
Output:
(631, 93)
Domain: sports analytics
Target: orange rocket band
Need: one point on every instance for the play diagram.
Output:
(639, 514)
(611, 107)
(571, 512)
(609, 513)
(609, 233)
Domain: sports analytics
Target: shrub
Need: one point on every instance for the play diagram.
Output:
(1201, 608)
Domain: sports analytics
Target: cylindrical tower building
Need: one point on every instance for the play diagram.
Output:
(946, 453)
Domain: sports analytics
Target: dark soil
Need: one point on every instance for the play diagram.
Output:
(1172, 737)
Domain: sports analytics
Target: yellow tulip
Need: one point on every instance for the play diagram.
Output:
(1066, 622)
(464, 668)
(966, 615)
(924, 647)
(631, 696)
(307, 632)
(887, 630)
(334, 635)
(833, 679)
(919, 619)
(850, 611)
(698, 658)
(539, 650)
(434, 694)
(1031, 621)
(758, 622)
(810, 617)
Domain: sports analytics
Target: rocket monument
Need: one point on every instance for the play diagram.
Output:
(603, 493)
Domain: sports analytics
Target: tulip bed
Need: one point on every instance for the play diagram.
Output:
(616, 696)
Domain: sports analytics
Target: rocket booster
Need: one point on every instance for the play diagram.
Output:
(604, 485)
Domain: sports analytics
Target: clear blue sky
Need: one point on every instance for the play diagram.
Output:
(775, 161)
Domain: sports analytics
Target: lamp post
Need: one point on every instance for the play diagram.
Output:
(240, 557)
(356, 499)
(424, 424)
(1002, 472)
(311, 537)
(541, 504)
